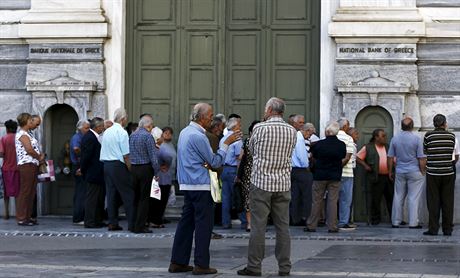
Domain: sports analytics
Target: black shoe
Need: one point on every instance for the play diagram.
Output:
(333, 231)
(415, 227)
(25, 223)
(216, 236)
(247, 272)
(309, 230)
(403, 223)
(113, 228)
(197, 270)
(395, 226)
(347, 227)
(284, 273)
(447, 233)
(177, 268)
(428, 233)
(143, 231)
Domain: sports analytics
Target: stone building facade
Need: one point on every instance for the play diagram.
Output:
(380, 60)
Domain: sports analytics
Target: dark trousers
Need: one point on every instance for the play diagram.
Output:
(94, 205)
(118, 179)
(142, 176)
(79, 197)
(301, 184)
(27, 190)
(34, 208)
(157, 207)
(197, 216)
(440, 197)
(382, 187)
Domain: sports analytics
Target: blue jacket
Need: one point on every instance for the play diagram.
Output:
(193, 151)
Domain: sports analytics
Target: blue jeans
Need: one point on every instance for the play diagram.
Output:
(228, 181)
(345, 198)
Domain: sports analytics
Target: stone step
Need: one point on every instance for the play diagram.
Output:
(174, 212)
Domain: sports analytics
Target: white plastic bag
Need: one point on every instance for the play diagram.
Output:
(216, 187)
(155, 191)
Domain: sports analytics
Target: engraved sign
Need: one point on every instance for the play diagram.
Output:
(65, 51)
(374, 51)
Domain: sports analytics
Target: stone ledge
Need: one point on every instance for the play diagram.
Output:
(376, 29)
(64, 30)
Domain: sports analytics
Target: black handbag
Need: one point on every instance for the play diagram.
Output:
(238, 199)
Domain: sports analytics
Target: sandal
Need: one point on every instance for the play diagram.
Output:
(155, 226)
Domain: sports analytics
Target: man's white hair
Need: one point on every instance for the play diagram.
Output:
(309, 126)
(332, 128)
(81, 123)
(119, 115)
(199, 110)
(276, 104)
(342, 122)
(297, 118)
(221, 117)
(146, 121)
(232, 122)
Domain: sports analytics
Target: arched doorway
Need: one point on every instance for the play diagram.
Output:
(367, 120)
(59, 126)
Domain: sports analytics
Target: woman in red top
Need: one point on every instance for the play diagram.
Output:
(9, 169)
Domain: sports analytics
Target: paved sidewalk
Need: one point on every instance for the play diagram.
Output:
(57, 248)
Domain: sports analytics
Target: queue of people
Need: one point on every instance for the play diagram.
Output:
(288, 175)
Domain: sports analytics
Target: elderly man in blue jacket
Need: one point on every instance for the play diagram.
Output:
(193, 154)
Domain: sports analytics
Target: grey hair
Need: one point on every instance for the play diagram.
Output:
(145, 121)
(332, 128)
(119, 115)
(276, 104)
(221, 117)
(232, 122)
(309, 126)
(297, 118)
(81, 123)
(199, 110)
(95, 122)
(342, 122)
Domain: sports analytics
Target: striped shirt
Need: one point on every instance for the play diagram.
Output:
(271, 145)
(439, 145)
(347, 170)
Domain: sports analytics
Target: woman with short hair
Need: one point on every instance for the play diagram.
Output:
(28, 160)
(9, 169)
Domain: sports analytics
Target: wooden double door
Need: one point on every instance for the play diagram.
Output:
(233, 54)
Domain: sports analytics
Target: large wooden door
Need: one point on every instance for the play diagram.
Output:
(233, 54)
(367, 120)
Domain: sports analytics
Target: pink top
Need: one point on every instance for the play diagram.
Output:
(8, 149)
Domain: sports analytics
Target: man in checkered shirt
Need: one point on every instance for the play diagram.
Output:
(271, 145)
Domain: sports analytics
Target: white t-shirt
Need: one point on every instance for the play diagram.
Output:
(21, 154)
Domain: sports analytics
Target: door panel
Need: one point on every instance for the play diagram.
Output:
(368, 119)
(233, 54)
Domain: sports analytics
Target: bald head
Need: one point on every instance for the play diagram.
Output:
(407, 124)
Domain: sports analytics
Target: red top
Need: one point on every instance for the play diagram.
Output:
(8, 149)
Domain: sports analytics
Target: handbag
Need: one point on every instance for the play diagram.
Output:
(216, 187)
(49, 174)
(155, 191)
(237, 198)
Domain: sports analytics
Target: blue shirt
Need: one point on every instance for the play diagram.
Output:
(75, 142)
(407, 148)
(234, 150)
(143, 150)
(115, 143)
(165, 157)
(193, 150)
(300, 154)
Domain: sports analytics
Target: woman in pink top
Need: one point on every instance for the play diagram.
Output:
(9, 169)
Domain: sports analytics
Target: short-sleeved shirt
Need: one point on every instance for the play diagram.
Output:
(383, 166)
(75, 142)
(8, 148)
(234, 150)
(456, 150)
(347, 170)
(407, 148)
(21, 154)
(438, 145)
(115, 144)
